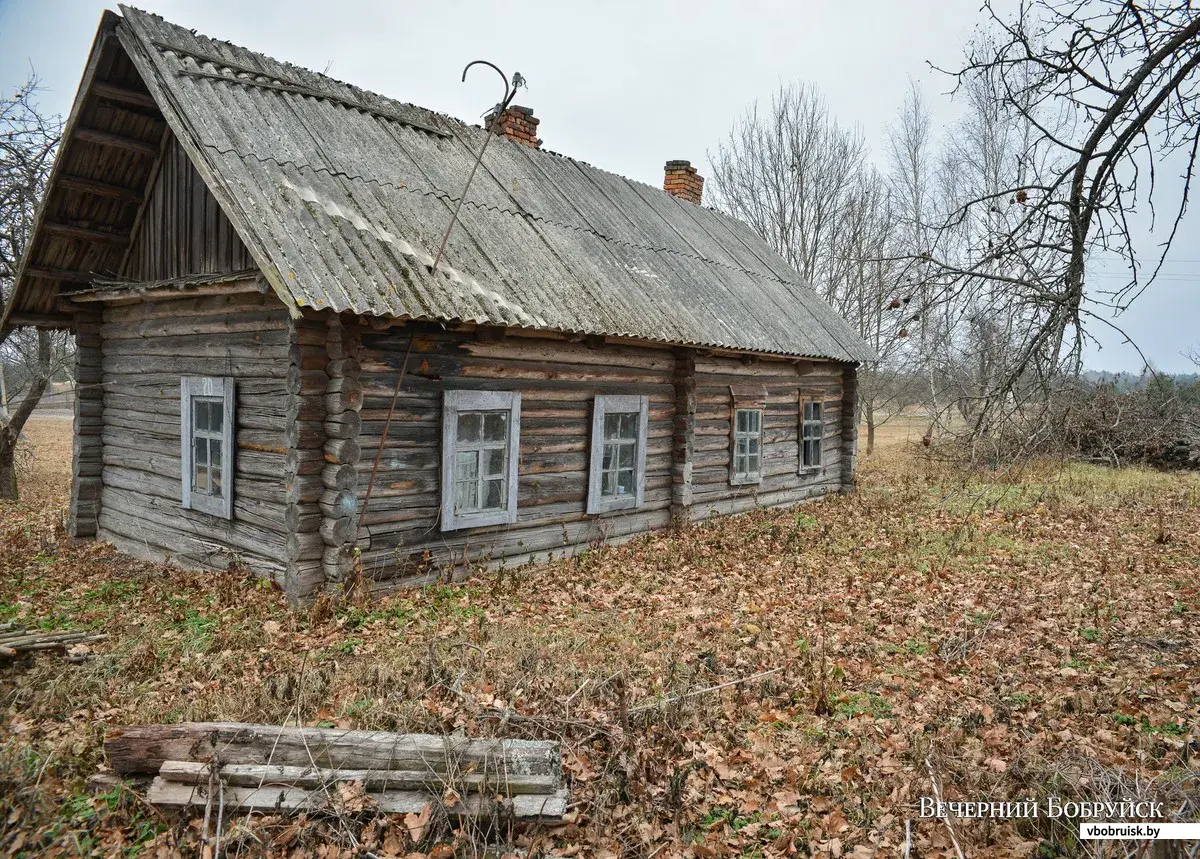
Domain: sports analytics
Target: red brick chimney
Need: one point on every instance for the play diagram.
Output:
(516, 123)
(682, 181)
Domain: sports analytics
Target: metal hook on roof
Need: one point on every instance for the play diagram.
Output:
(510, 92)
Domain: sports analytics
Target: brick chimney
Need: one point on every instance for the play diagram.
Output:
(516, 123)
(681, 180)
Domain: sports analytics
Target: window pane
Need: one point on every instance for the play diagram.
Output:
(216, 482)
(612, 425)
(466, 465)
(625, 482)
(755, 420)
(629, 425)
(200, 465)
(465, 494)
(610, 453)
(493, 462)
(495, 426)
(214, 452)
(200, 451)
(817, 409)
(199, 414)
(493, 494)
(742, 420)
(608, 483)
(625, 456)
(752, 445)
(740, 446)
(468, 426)
(752, 464)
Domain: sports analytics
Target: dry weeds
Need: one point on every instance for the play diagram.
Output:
(1026, 635)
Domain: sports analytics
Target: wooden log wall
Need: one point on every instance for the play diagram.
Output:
(849, 428)
(342, 452)
(147, 347)
(86, 459)
(777, 384)
(306, 410)
(687, 466)
(401, 537)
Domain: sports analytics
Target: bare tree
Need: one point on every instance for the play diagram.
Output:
(1090, 101)
(28, 140)
(803, 182)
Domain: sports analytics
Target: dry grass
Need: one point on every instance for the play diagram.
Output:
(1003, 629)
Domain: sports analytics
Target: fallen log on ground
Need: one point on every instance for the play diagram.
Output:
(15, 640)
(267, 767)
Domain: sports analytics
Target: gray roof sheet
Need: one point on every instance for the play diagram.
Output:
(343, 199)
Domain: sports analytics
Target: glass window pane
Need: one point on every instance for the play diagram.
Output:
(755, 421)
(495, 426)
(629, 425)
(606, 460)
(200, 451)
(752, 464)
(216, 482)
(216, 416)
(466, 465)
(214, 452)
(608, 483)
(741, 420)
(493, 494)
(625, 456)
(199, 414)
(625, 482)
(468, 426)
(817, 409)
(752, 447)
(740, 446)
(612, 425)
(493, 462)
(465, 494)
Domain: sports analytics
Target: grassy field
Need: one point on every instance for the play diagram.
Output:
(996, 637)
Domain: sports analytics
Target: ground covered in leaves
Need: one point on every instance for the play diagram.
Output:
(993, 636)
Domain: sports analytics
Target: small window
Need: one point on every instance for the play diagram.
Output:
(206, 433)
(617, 473)
(480, 445)
(746, 466)
(812, 429)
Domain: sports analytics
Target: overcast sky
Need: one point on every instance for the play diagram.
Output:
(623, 85)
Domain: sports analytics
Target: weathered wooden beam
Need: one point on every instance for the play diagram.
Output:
(529, 807)
(136, 292)
(125, 95)
(100, 189)
(258, 775)
(144, 749)
(59, 274)
(116, 141)
(39, 320)
(84, 233)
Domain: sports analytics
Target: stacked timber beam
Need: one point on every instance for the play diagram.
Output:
(87, 459)
(343, 421)
(15, 640)
(307, 385)
(849, 426)
(270, 768)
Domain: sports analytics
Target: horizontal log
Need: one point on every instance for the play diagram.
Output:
(530, 807)
(145, 748)
(274, 775)
(99, 189)
(72, 231)
(115, 141)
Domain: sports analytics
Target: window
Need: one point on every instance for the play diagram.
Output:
(617, 474)
(206, 434)
(746, 465)
(480, 444)
(811, 431)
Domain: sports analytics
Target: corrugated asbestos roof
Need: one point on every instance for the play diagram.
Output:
(343, 199)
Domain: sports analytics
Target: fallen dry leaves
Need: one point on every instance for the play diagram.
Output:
(1017, 637)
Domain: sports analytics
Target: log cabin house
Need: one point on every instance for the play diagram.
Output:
(244, 250)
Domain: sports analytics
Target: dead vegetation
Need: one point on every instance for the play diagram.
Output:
(782, 683)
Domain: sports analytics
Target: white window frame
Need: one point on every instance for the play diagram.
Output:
(819, 423)
(737, 478)
(454, 402)
(217, 388)
(604, 405)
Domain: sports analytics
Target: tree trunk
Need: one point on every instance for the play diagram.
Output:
(8, 470)
(10, 433)
(870, 433)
